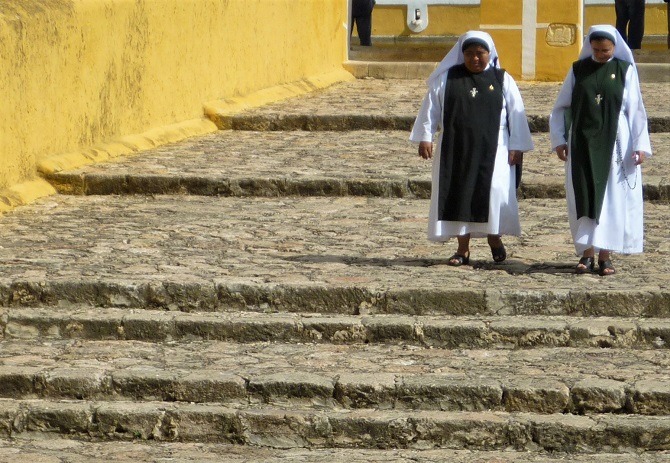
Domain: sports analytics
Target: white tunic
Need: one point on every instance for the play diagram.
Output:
(503, 208)
(620, 227)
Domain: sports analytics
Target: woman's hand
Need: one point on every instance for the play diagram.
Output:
(515, 157)
(426, 149)
(562, 152)
(638, 157)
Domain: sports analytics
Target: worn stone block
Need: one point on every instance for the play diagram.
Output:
(599, 396)
(536, 395)
(651, 397)
(390, 329)
(285, 429)
(454, 333)
(128, 421)
(62, 418)
(528, 332)
(295, 385)
(145, 383)
(210, 386)
(362, 390)
(73, 383)
(439, 392)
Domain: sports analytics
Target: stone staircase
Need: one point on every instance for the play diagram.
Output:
(267, 293)
(416, 57)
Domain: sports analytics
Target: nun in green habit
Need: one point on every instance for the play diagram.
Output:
(599, 128)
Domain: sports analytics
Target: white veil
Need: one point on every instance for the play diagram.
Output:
(455, 55)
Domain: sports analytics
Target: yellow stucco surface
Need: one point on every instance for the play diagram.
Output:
(507, 12)
(442, 20)
(75, 74)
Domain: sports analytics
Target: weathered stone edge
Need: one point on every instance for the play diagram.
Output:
(150, 184)
(449, 332)
(336, 390)
(346, 122)
(318, 429)
(220, 295)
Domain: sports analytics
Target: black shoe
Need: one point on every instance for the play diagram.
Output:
(604, 265)
(588, 264)
(457, 260)
(499, 254)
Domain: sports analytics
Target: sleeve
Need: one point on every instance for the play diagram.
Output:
(519, 133)
(429, 119)
(557, 118)
(636, 113)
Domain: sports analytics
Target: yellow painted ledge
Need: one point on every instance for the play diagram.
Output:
(221, 111)
(24, 193)
(126, 145)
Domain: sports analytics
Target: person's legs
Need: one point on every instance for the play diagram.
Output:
(364, 28)
(636, 25)
(621, 7)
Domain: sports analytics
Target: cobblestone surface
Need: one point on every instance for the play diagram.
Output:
(84, 259)
(359, 162)
(246, 360)
(70, 451)
(379, 244)
(403, 97)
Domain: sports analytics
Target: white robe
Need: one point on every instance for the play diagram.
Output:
(503, 207)
(620, 228)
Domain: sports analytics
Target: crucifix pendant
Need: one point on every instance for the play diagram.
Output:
(473, 92)
(598, 98)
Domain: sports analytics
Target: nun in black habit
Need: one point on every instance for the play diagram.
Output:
(477, 112)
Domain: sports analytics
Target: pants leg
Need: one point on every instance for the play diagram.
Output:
(622, 18)
(364, 28)
(636, 25)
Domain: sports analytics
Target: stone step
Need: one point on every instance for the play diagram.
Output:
(585, 381)
(26, 450)
(30, 450)
(433, 48)
(268, 122)
(361, 163)
(247, 327)
(649, 72)
(392, 104)
(371, 429)
(364, 295)
(348, 255)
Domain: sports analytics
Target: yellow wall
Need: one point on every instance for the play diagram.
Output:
(455, 20)
(442, 20)
(76, 73)
(525, 48)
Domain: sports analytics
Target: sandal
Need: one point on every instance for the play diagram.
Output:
(588, 263)
(499, 254)
(457, 260)
(603, 266)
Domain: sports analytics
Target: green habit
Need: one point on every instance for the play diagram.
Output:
(596, 102)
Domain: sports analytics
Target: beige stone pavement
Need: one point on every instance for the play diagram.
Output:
(355, 255)
(61, 451)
